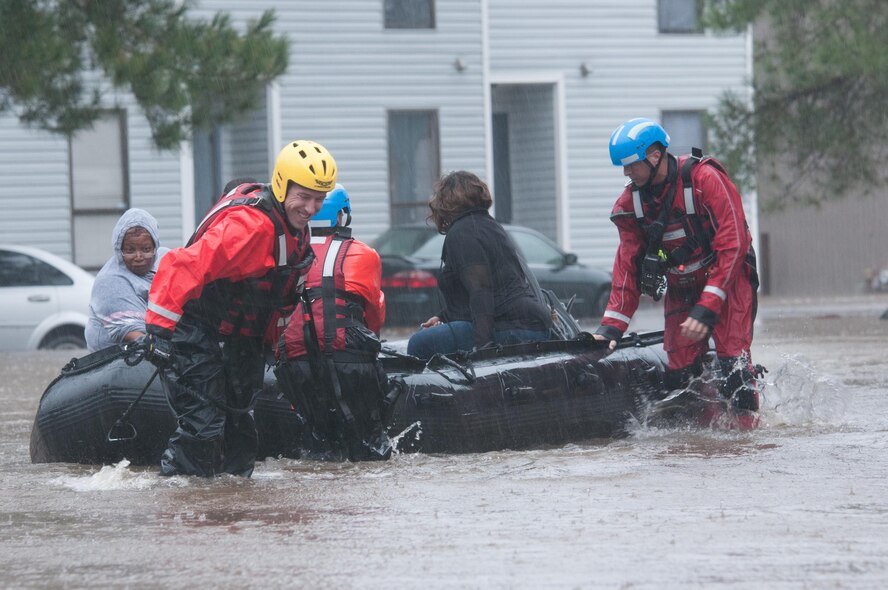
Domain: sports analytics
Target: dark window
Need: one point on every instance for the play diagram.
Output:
(409, 14)
(679, 16)
(99, 186)
(21, 270)
(414, 163)
(502, 168)
(685, 129)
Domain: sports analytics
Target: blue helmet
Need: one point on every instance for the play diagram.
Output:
(630, 141)
(335, 201)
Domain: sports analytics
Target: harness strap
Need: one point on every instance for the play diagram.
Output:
(700, 237)
(693, 160)
(261, 201)
(314, 293)
(322, 372)
(322, 365)
(651, 278)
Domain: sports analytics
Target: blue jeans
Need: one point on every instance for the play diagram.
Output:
(460, 335)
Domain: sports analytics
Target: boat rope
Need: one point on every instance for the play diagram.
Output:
(125, 416)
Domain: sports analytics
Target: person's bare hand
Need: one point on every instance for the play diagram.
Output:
(694, 330)
(611, 346)
(431, 322)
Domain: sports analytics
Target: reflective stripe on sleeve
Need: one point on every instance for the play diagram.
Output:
(170, 315)
(715, 290)
(617, 316)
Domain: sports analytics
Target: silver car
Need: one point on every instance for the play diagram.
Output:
(44, 300)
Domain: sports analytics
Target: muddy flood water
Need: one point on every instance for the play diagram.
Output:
(800, 503)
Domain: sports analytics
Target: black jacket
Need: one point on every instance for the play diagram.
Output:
(483, 280)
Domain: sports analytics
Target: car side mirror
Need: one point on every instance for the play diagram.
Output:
(569, 259)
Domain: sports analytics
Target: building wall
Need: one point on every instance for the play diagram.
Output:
(634, 71)
(346, 70)
(822, 250)
(826, 250)
(35, 184)
(531, 115)
(34, 188)
(246, 151)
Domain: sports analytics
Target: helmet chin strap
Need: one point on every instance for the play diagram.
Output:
(345, 219)
(653, 169)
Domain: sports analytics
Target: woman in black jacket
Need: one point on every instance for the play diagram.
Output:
(489, 295)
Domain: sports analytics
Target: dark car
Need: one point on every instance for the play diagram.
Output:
(411, 261)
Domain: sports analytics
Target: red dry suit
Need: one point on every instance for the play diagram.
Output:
(213, 300)
(353, 271)
(244, 262)
(327, 355)
(710, 264)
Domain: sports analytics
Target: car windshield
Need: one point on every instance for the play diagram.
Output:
(425, 243)
(535, 249)
(431, 250)
(21, 270)
(404, 241)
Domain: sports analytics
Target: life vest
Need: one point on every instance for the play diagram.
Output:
(685, 239)
(246, 307)
(327, 308)
(679, 238)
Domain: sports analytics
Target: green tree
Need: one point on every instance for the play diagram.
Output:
(184, 73)
(821, 78)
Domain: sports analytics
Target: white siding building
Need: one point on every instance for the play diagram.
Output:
(525, 94)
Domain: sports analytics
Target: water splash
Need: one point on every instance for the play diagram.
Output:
(699, 404)
(409, 436)
(117, 476)
(796, 393)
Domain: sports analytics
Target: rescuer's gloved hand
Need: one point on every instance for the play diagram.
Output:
(158, 351)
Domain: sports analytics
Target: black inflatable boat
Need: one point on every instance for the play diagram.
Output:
(513, 397)
(525, 396)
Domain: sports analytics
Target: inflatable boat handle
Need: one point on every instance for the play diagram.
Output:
(400, 355)
(636, 340)
(467, 371)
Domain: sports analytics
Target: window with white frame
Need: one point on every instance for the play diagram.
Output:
(99, 187)
(679, 16)
(409, 14)
(414, 162)
(685, 129)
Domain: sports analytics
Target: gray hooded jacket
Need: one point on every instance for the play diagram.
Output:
(119, 296)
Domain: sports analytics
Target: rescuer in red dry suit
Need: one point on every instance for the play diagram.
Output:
(683, 230)
(327, 356)
(211, 303)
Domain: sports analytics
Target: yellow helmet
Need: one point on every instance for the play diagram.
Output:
(306, 163)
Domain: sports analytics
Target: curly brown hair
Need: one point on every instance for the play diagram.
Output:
(455, 194)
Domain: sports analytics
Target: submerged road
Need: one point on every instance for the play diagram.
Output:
(800, 503)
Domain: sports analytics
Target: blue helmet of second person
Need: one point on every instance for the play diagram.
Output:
(630, 141)
(335, 201)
